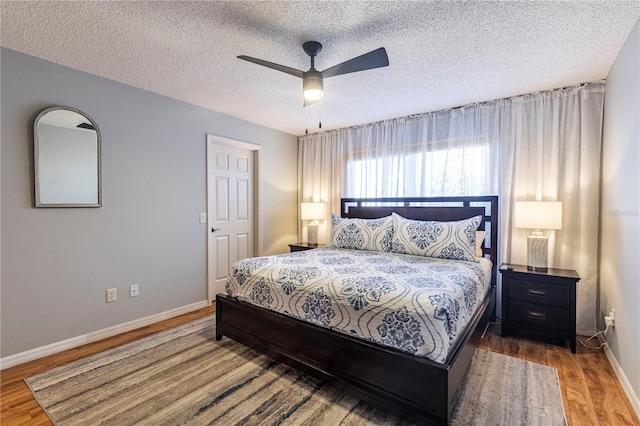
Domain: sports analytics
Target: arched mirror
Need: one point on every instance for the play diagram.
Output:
(66, 153)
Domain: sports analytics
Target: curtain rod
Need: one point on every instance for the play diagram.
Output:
(424, 114)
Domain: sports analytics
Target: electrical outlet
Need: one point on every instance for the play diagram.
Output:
(609, 320)
(112, 295)
(133, 290)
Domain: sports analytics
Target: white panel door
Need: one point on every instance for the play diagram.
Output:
(230, 210)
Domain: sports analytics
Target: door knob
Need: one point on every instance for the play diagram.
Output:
(215, 229)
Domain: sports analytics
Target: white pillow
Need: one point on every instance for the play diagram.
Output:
(480, 236)
(361, 234)
(445, 240)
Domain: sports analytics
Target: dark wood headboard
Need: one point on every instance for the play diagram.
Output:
(442, 209)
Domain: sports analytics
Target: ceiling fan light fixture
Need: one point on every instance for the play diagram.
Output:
(312, 87)
(313, 94)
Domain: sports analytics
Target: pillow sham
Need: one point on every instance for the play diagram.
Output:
(480, 236)
(361, 234)
(444, 240)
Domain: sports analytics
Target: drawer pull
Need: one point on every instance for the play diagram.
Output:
(537, 315)
(538, 293)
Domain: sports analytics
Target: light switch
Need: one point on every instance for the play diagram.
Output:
(203, 218)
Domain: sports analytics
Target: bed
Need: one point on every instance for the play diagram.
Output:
(400, 379)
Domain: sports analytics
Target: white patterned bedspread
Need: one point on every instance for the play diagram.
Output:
(416, 304)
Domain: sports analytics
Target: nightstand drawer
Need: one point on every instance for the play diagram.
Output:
(539, 294)
(542, 316)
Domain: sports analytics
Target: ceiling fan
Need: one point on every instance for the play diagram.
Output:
(312, 80)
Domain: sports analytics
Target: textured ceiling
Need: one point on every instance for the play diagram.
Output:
(442, 54)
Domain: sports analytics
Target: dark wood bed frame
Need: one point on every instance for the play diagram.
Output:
(415, 388)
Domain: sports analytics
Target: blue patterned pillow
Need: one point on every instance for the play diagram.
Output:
(362, 234)
(444, 240)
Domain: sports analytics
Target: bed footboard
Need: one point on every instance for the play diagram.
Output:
(415, 388)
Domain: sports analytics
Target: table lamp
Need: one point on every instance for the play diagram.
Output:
(312, 212)
(538, 215)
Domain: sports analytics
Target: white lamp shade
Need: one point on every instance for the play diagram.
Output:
(538, 214)
(312, 211)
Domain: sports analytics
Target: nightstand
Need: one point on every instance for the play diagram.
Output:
(543, 302)
(304, 246)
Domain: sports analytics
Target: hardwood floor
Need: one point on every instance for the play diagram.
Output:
(17, 404)
(591, 393)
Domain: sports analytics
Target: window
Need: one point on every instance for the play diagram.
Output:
(455, 171)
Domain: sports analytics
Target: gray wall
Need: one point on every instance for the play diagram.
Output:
(57, 263)
(620, 223)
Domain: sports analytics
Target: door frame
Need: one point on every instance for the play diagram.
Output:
(257, 200)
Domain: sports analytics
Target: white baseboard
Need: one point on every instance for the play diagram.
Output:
(626, 386)
(74, 342)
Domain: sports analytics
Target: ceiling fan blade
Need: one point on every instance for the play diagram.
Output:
(272, 65)
(375, 59)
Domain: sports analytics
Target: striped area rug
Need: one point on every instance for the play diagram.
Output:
(183, 376)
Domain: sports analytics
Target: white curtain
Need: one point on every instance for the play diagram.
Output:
(540, 146)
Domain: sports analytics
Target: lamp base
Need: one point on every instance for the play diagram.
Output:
(312, 234)
(537, 253)
(536, 269)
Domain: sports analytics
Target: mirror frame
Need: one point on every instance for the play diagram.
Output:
(36, 149)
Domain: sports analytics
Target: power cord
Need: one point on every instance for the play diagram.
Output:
(605, 344)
